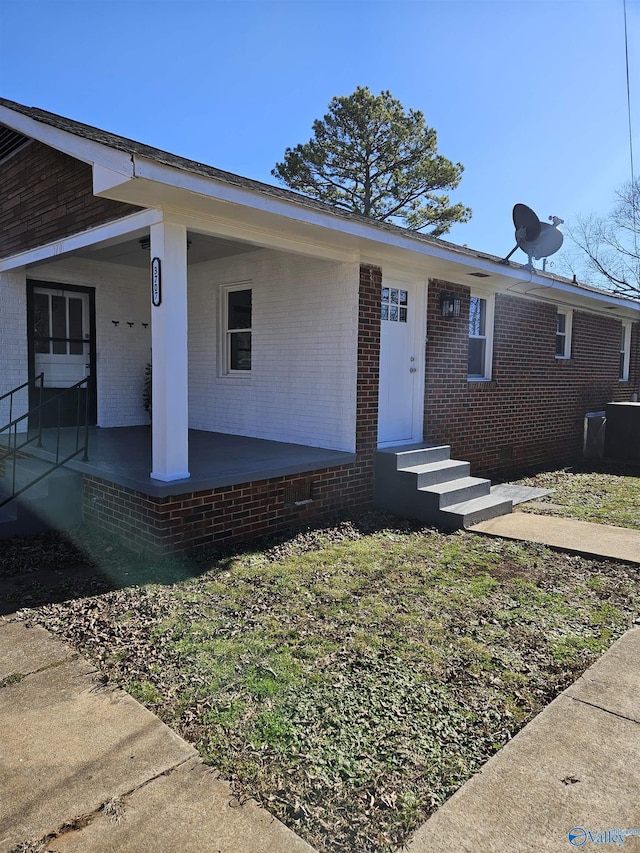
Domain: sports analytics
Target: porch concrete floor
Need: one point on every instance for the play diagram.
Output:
(123, 455)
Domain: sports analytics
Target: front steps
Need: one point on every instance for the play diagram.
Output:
(423, 482)
(54, 503)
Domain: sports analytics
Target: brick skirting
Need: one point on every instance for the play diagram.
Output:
(180, 524)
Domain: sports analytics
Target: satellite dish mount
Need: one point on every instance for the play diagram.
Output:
(536, 238)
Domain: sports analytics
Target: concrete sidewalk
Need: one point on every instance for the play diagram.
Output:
(92, 769)
(581, 537)
(566, 780)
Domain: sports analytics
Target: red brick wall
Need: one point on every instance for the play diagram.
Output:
(198, 520)
(46, 195)
(530, 416)
(368, 378)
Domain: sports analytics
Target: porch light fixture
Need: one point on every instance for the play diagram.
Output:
(449, 306)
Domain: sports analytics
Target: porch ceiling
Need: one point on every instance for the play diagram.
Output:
(130, 253)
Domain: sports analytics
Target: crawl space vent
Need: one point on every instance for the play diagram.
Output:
(298, 495)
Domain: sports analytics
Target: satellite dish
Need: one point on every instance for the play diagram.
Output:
(526, 222)
(536, 238)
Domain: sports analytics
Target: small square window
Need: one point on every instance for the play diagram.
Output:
(394, 305)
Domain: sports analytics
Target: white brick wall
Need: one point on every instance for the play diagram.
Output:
(302, 386)
(122, 351)
(13, 343)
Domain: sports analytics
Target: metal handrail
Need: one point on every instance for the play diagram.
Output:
(9, 394)
(12, 426)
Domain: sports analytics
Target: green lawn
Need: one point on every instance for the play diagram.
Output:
(590, 496)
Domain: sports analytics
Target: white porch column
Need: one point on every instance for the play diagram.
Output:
(13, 344)
(170, 423)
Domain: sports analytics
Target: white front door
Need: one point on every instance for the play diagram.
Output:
(400, 364)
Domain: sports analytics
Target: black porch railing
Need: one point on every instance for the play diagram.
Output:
(13, 441)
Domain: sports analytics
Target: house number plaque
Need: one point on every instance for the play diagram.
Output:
(156, 282)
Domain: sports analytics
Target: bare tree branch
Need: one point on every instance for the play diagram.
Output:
(610, 246)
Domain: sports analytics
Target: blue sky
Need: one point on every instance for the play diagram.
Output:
(529, 95)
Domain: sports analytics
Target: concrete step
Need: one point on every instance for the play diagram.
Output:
(53, 503)
(26, 471)
(457, 491)
(423, 482)
(433, 473)
(467, 513)
(408, 455)
(8, 513)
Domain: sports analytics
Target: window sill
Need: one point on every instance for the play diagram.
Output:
(479, 384)
(563, 358)
(234, 379)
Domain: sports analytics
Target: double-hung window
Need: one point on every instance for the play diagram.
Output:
(480, 338)
(237, 331)
(625, 351)
(563, 333)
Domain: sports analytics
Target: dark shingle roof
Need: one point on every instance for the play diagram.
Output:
(130, 146)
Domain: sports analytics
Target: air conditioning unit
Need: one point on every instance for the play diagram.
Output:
(594, 428)
(622, 437)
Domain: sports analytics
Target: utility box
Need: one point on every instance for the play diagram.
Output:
(594, 429)
(622, 434)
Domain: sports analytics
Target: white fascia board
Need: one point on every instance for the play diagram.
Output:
(106, 179)
(101, 235)
(246, 197)
(260, 237)
(379, 240)
(82, 149)
(571, 295)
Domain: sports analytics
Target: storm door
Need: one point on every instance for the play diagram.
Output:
(61, 322)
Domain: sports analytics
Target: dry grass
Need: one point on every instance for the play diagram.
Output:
(351, 678)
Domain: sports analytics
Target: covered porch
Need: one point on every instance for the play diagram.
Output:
(123, 455)
(239, 487)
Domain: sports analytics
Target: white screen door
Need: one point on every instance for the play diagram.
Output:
(61, 336)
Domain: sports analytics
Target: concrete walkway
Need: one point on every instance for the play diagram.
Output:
(95, 771)
(582, 537)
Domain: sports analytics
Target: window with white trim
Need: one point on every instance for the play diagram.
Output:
(564, 319)
(237, 311)
(480, 338)
(625, 351)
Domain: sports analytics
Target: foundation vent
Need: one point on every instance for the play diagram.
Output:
(298, 495)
